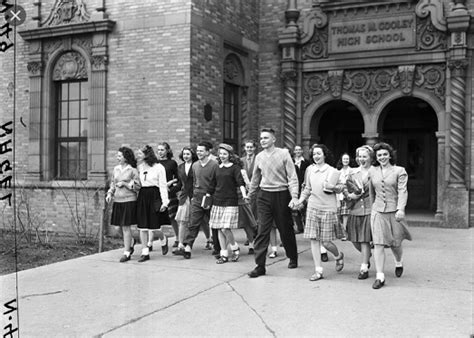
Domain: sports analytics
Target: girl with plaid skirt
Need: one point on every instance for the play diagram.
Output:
(225, 208)
(322, 225)
(344, 166)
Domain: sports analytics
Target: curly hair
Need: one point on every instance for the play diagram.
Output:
(389, 148)
(328, 156)
(232, 158)
(352, 163)
(169, 152)
(129, 156)
(194, 157)
(150, 157)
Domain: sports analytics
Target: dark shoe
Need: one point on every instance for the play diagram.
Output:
(178, 252)
(175, 245)
(399, 271)
(165, 248)
(143, 258)
(208, 245)
(187, 254)
(215, 253)
(293, 264)
(150, 247)
(258, 271)
(340, 262)
(124, 258)
(246, 243)
(324, 257)
(363, 275)
(378, 284)
(251, 251)
(132, 249)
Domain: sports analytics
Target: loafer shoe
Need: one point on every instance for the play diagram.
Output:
(187, 254)
(340, 262)
(258, 271)
(378, 284)
(150, 247)
(251, 251)
(165, 248)
(124, 258)
(363, 275)
(143, 258)
(399, 271)
(324, 257)
(316, 276)
(293, 264)
(175, 244)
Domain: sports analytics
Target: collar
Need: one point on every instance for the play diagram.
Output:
(227, 165)
(321, 169)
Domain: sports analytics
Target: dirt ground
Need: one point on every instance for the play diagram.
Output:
(19, 254)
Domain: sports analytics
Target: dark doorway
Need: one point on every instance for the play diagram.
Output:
(409, 125)
(340, 127)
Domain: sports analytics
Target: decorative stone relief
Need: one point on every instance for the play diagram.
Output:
(335, 82)
(70, 65)
(314, 19)
(372, 84)
(84, 43)
(66, 12)
(434, 9)
(99, 62)
(317, 47)
(35, 67)
(428, 37)
(233, 71)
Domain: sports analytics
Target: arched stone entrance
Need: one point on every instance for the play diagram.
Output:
(410, 125)
(339, 125)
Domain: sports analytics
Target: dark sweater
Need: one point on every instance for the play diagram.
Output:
(171, 168)
(228, 180)
(204, 177)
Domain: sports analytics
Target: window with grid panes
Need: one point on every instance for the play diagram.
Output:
(71, 136)
(231, 114)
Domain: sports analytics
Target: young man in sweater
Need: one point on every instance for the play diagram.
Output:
(274, 173)
(204, 176)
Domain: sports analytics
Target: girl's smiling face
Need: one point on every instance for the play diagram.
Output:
(345, 159)
(223, 155)
(318, 156)
(187, 156)
(383, 157)
(120, 158)
(364, 158)
(161, 152)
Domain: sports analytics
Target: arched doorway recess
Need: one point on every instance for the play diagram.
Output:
(409, 124)
(339, 125)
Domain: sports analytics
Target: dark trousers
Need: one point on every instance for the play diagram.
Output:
(199, 215)
(273, 207)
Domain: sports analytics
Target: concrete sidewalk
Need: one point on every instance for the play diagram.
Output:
(170, 296)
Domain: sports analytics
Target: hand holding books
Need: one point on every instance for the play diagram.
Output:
(206, 202)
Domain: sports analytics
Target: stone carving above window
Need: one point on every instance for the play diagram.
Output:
(434, 9)
(233, 71)
(67, 12)
(70, 65)
(317, 47)
(372, 84)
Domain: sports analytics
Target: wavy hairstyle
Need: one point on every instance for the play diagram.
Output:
(169, 152)
(129, 156)
(328, 156)
(369, 150)
(150, 157)
(389, 148)
(194, 157)
(352, 162)
(232, 157)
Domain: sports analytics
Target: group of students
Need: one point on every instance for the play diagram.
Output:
(365, 204)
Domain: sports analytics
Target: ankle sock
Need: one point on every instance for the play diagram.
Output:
(380, 275)
(364, 267)
(274, 248)
(234, 247)
(398, 264)
(224, 253)
(187, 248)
(319, 269)
(145, 251)
(126, 253)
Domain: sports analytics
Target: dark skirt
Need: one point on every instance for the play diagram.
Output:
(147, 216)
(124, 214)
(358, 229)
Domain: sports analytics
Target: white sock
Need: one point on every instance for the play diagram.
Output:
(274, 248)
(250, 245)
(381, 276)
(126, 253)
(364, 267)
(319, 269)
(150, 244)
(187, 248)
(323, 250)
(234, 247)
(224, 253)
(398, 264)
(145, 251)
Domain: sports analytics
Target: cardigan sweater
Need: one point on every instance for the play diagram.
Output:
(127, 192)
(228, 180)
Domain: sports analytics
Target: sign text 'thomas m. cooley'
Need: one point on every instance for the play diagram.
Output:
(372, 34)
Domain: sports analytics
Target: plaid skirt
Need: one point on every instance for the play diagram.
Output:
(183, 214)
(224, 217)
(322, 225)
(386, 230)
(343, 210)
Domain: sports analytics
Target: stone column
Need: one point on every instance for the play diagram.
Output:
(245, 126)
(440, 185)
(288, 40)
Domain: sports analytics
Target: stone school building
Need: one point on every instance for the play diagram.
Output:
(93, 75)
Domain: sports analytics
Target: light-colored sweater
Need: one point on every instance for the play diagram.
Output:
(131, 184)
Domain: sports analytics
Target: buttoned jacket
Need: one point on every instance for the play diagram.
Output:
(363, 205)
(388, 190)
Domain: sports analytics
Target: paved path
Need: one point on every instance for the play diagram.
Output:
(169, 296)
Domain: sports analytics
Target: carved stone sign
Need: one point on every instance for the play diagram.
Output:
(396, 31)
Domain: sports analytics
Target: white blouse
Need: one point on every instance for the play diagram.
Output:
(154, 176)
